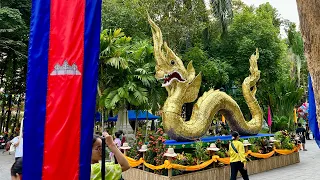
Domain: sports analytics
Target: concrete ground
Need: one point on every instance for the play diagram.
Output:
(307, 169)
(6, 162)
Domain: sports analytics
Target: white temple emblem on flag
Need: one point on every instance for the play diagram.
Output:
(65, 69)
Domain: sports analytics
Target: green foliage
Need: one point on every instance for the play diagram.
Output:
(221, 154)
(222, 11)
(156, 148)
(133, 152)
(14, 31)
(214, 71)
(126, 72)
(173, 17)
(114, 48)
(284, 97)
(269, 12)
(249, 30)
(295, 40)
(125, 14)
(201, 153)
(286, 141)
(296, 54)
(23, 6)
(222, 60)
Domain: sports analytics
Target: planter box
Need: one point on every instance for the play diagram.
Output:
(222, 173)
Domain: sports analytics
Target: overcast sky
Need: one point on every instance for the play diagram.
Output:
(286, 8)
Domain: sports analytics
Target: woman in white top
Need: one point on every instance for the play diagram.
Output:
(18, 144)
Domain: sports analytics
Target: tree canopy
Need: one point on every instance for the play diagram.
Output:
(218, 37)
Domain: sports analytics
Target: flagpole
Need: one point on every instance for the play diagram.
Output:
(269, 119)
(103, 148)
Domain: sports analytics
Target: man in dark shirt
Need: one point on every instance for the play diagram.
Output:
(307, 132)
(301, 132)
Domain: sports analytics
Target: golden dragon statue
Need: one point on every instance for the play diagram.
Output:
(183, 86)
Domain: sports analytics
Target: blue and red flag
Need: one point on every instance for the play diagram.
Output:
(61, 89)
(312, 115)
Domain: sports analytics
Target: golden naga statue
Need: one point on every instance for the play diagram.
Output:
(183, 87)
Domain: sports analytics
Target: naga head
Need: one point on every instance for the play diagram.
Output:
(177, 80)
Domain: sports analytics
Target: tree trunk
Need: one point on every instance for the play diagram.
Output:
(310, 28)
(9, 112)
(153, 127)
(2, 113)
(16, 119)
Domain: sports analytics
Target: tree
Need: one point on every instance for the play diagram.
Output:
(13, 55)
(182, 22)
(252, 28)
(215, 72)
(127, 16)
(238, 5)
(127, 73)
(296, 54)
(284, 96)
(23, 6)
(222, 11)
(309, 19)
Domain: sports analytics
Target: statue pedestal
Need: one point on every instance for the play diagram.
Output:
(123, 122)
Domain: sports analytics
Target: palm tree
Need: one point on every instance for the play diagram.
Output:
(126, 72)
(284, 97)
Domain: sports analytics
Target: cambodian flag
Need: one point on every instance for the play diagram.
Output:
(61, 89)
(312, 116)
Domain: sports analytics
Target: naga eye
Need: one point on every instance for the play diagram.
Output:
(172, 62)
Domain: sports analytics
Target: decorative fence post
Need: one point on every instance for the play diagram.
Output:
(170, 154)
(246, 145)
(212, 149)
(143, 150)
(125, 147)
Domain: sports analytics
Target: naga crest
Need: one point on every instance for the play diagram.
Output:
(170, 69)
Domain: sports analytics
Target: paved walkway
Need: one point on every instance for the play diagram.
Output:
(307, 169)
(6, 162)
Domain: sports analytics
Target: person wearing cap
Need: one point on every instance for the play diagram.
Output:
(238, 160)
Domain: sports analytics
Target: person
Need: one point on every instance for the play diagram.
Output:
(238, 160)
(117, 140)
(18, 144)
(301, 133)
(6, 136)
(113, 171)
(123, 139)
(307, 132)
(16, 170)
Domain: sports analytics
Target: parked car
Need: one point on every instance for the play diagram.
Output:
(2, 142)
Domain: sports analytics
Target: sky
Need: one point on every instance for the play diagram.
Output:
(286, 8)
